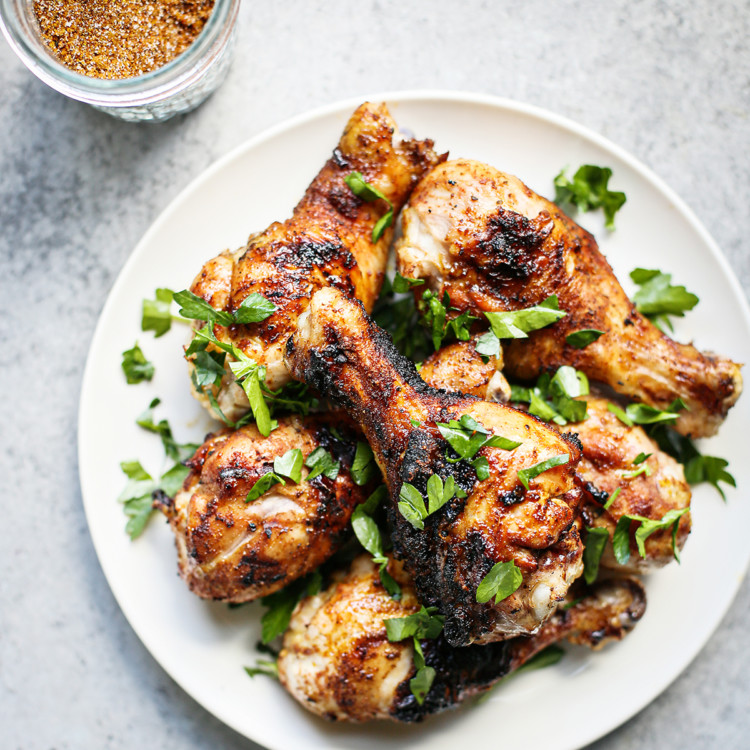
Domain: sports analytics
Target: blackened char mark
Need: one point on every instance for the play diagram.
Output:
(459, 673)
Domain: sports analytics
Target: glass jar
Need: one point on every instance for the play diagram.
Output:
(177, 87)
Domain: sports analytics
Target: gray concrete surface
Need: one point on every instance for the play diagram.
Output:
(668, 81)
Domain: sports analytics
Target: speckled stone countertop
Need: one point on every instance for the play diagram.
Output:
(667, 81)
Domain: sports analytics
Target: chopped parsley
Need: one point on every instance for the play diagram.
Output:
(517, 324)
(320, 461)
(647, 526)
(581, 339)
(526, 475)
(588, 190)
(467, 437)
(253, 309)
(281, 604)
(173, 449)
(135, 365)
(698, 468)
(502, 580)
(411, 503)
(596, 541)
(156, 315)
(554, 399)
(645, 414)
(368, 534)
(369, 193)
(658, 298)
(434, 312)
(422, 625)
(364, 467)
(267, 667)
(289, 465)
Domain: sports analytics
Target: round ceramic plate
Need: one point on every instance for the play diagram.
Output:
(203, 645)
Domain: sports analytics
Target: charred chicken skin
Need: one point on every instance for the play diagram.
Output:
(338, 663)
(609, 448)
(327, 242)
(236, 551)
(492, 244)
(338, 350)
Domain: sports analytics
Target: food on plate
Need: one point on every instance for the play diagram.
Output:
(628, 472)
(256, 513)
(338, 236)
(349, 654)
(473, 485)
(514, 513)
(490, 244)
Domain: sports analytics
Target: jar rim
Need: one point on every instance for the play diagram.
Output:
(162, 82)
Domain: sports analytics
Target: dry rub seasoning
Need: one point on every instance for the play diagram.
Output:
(119, 38)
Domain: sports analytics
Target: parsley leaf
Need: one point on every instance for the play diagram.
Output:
(254, 308)
(369, 536)
(404, 283)
(502, 580)
(262, 485)
(364, 467)
(208, 368)
(435, 318)
(517, 324)
(194, 307)
(281, 604)
(137, 496)
(424, 624)
(369, 193)
(411, 505)
(554, 399)
(467, 437)
(589, 189)
(698, 468)
(645, 414)
(320, 461)
(156, 314)
(135, 366)
(268, 667)
(581, 339)
(596, 541)
(611, 499)
(290, 464)
(658, 298)
(173, 449)
(647, 526)
(526, 475)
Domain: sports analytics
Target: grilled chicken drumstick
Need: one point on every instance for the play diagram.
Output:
(609, 449)
(338, 663)
(237, 551)
(338, 350)
(327, 242)
(492, 244)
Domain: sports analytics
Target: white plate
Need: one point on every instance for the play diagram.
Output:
(204, 646)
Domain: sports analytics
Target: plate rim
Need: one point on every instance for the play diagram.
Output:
(342, 107)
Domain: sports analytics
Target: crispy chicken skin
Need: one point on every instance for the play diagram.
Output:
(236, 551)
(492, 244)
(326, 242)
(609, 448)
(458, 367)
(339, 350)
(338, 663)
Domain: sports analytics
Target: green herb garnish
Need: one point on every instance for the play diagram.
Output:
(369, 193)
(621, 537)
(422, 625)
(289, 465)
(368, 533)
(588, 190)
(467, 437)
(135, 365)
(320, 461)
(517, 324)
(281, 604)
(526, 475)
(596, 541)
(253, 309)
(364, 467)
(658, 298)
(581, 339)
(502, 580)
(156, 315)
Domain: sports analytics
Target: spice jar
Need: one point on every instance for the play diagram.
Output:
(177, 86)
